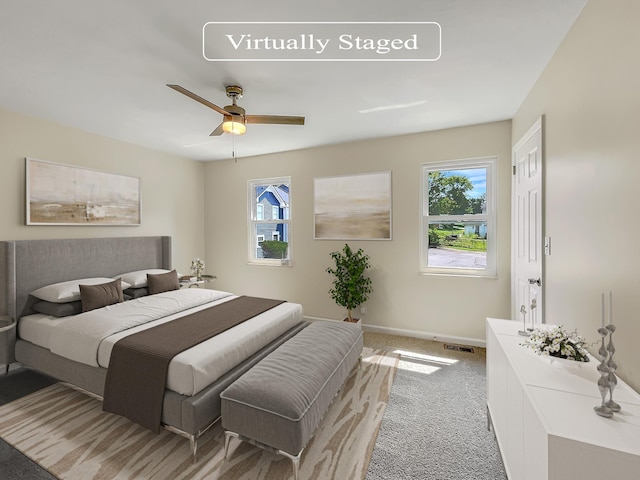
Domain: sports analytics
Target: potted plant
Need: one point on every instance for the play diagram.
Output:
(197, 267)
(350, 286)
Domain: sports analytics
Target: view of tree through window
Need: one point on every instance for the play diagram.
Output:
(269, 220)
(456, 222)
(453, 191)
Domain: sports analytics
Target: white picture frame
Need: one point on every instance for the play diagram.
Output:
(60, 194)
(353, 207)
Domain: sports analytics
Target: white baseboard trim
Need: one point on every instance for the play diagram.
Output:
(436, 337)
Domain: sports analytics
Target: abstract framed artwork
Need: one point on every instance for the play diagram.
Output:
(59, 194)
(352, 207)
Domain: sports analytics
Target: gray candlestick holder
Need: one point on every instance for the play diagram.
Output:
(613, 366)
(603, 382)
(523, 332)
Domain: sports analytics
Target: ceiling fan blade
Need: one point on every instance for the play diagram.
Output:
(274, 119)
(198, 98)
(217, 131)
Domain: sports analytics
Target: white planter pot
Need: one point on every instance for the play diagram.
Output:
(566, 363)
(359, 322)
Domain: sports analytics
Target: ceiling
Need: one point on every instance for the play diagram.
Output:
(103, 67)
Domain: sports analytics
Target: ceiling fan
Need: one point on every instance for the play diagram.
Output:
(234, 117)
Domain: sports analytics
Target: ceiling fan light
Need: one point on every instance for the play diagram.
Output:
(234, 127)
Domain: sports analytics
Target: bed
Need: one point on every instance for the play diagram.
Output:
(191, 402)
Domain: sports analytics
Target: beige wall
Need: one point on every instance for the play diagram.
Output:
(591, 104)
(402, 299)
(172, 188)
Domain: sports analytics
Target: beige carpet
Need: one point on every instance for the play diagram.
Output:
(67, 433)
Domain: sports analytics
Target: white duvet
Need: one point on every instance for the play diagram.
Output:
(89, 337)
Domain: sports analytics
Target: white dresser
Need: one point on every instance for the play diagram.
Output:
(542, 414)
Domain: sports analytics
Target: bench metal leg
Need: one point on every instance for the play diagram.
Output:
(295, 459)
(227, 439)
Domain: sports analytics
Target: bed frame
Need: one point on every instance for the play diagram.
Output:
(31, 264)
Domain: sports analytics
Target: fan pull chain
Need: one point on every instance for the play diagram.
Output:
(233, 148)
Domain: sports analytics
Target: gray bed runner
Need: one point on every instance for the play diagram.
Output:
(139, 363)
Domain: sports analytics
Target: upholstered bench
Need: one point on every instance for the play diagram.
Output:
(278, 403)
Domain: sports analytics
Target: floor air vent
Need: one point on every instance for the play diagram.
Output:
(459, 348)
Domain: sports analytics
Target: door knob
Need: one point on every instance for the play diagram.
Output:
(535, 281)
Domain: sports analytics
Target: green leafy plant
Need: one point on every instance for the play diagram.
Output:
(274, 249)
(350, 286)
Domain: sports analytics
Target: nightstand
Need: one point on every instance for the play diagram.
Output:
(197, 283)
(7, 341)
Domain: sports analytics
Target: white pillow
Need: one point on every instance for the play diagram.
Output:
(69, 291)
(138, 278)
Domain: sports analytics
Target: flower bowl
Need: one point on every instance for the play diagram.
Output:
(557, 344)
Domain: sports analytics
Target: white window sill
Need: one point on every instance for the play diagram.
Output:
(458, 274)
(271, 263)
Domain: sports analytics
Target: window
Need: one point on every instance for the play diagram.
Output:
(270, 238)
(457, 234)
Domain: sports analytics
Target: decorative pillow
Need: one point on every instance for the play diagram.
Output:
(98, 296)
(139, 278)
(65, 292)
(136, 292)
(163, 282)
(58, 309)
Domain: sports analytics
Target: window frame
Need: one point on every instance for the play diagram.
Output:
(253, 221)
(490, 216)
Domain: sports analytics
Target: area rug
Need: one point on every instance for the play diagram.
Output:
(68, 434)
(435, 424)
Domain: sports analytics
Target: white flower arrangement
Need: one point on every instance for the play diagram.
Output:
(556, 342)
(197, 266)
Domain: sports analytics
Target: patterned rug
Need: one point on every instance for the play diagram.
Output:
(68, 434)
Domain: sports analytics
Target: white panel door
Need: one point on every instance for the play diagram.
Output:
(526, 228)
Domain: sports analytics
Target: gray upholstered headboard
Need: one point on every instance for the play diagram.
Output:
(32, 264)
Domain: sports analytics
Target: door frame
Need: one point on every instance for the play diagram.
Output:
(537, 125)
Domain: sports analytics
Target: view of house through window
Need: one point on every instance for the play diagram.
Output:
(269, 221)
(458, 218)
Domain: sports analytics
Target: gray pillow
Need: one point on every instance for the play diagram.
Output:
(137, 292)
(58, 309)
(163, 282)
(101, 295)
